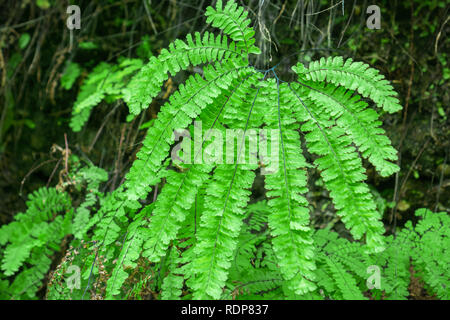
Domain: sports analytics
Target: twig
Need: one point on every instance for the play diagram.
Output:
(31, 171)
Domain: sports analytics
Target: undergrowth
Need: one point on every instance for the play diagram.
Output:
(201, 239)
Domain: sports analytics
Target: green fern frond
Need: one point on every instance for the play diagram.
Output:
(218, 230)
(180, 55)
(93, 177)
(354, 76)
(233, 21)
(184, 105)
(358, 121)
(344, 281)
(227, 194)
(174, 202)
(32, 237)
(430, 250)
(342, 171)
(289, 220)
(71, 73)
(105, 80)
(173, 282)
(179, 193)
(131, 250)
(30, 229)
(254, 272)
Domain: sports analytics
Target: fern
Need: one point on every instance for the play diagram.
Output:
(105, 81)
(32, 238)
(206, 236)
(230, 94)
(342, 265)
(71, 73)
(30, 243)
(200, 234)
(92, 176)
(289, 221)
(430, 250)
(254, 271)
(353, 76)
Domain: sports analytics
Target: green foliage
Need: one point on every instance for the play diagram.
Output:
(353, 76)
(92, 177)
(30, 242)
(201, 239)
(429, 249)
(71, 73)
(105, 81)
(254, 272)
(322, 104)
(343, 267)
(180, 55)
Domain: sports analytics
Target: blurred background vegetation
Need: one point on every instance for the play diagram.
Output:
(43, 64)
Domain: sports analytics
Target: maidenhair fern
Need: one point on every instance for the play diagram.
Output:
(205, 235)
(29, 244)
(105, 81)
(201, 239)
(321, 104)
(343, 268)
